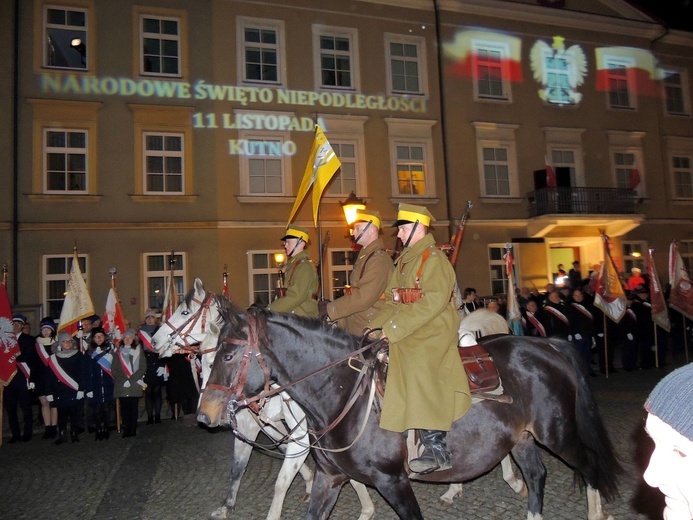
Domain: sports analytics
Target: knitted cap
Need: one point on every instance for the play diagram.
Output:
(672, 401)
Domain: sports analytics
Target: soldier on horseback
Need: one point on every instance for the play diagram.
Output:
(427, 388)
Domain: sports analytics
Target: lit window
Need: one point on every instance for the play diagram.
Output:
(157, 271)
(56, 274)
(411, 169)
(261, 44)
(497, 269)
(65, 38)
(163, 163)
(634, 256)
(411, 156)
(263, 277)
(340, 265)
(65, 153)
(160, 46)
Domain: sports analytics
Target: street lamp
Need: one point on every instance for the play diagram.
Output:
(79, 45)
(350, 206)
(279, 261)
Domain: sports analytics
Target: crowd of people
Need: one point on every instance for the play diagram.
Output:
(92, 383)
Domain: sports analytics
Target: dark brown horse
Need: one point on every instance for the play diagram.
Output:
(552, 405)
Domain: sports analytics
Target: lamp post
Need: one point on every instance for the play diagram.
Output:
(279, 261)
(350, 206)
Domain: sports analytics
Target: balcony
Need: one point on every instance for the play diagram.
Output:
(582, 212)
(596, 201)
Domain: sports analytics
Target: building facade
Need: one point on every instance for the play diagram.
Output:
(138, 129)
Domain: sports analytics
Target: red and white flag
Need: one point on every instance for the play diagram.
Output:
(77, 304)
(660, 314)
(513, 315)
(609, 295)
(634, 178)
(550, 174)
(681, 295)
(113, 321)
(9, 348)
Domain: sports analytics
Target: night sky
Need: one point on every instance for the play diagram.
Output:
(677, 14)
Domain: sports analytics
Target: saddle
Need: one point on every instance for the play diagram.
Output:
(481, 371)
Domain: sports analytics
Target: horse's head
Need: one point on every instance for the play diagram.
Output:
(238, 370)
(188, 324)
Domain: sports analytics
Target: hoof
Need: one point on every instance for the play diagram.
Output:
(220, 513)
(445, 503)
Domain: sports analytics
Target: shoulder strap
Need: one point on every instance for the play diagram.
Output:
(423, 259)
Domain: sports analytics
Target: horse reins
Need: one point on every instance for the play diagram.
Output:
(183, 331)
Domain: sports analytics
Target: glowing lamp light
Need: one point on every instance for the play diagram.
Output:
(636, 254)
(350, 206)
(279, 258)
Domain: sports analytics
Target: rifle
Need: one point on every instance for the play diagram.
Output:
(453, 249)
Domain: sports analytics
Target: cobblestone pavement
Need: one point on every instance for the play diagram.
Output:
(173, 471)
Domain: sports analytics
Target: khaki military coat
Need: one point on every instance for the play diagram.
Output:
(301, 280)
(427, 386)
(369, 278)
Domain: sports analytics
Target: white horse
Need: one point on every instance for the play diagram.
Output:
(195, 323)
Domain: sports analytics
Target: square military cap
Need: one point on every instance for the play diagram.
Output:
(411, 213)
(296, 232)
(368, 216)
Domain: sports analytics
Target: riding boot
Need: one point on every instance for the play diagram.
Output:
(62, 438)
(435, 455)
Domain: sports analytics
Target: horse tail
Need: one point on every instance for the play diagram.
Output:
(603, 467)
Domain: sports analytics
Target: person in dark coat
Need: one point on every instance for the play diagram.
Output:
(156, 376)
(99, 385)
(129, 366)
(66, 385)
(582, 326)
(46, 344)
(556, 316)
(17, 394)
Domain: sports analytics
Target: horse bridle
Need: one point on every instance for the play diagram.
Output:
(184, 331)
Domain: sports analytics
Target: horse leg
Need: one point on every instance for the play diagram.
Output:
(594, 506)
(367, 506)
(293, 461)
(397, 491)
(454, 491)
(533, 470)
(516, 484)
(324, 495)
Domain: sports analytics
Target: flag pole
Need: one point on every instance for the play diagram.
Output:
(112, 271)
(685, 337)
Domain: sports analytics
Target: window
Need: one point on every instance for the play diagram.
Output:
(344, 182)
(564, 149)
(261, 44)
(157, 270)
(340, 265)
(163, 159)
(56, 273)
(626, 160)
(686, 252)
(634, 255)
(558, 89)
(411, 155)
(682, 168)
(163, 163)
(626, 171)
(676, 101)
(491, 73)
(65, 38)
(619, 83)
(264, 277)
(264, 167)
(497, 160)
(160, 44)
(407, 66)
(64, 158)
(65, 153)
(336, 58)
(564, 158)
(497, 269)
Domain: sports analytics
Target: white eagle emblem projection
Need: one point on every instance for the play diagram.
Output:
(560, 71)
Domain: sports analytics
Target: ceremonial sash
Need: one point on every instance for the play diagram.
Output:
(21, 365)
(60, 373)
(128, 368)
(537, 325)
(146, 340)
(42, 354)
(583, 310)
(557, 313)
(104, 359)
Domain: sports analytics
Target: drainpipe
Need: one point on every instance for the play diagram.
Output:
(15, 156)
(443, 128)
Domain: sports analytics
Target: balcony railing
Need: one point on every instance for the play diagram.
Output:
(546, 201)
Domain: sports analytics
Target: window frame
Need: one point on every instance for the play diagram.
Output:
(138, 14)
(272, 271)
(686, 253)
(497, 136)
(494, 264)
(318, 31)
(146, 153)
(179, 274)
(66, 150)
(412, 132)
(636, 153)
(683, 87)
(630, 260)
(46, 278)
(627, 64)
(335, 291)
(567, 139)
(161, 37)
(420, 44)
(504, 50)
(347, 128)
(243, 23)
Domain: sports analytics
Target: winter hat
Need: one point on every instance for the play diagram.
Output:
(672, 401)
(131, 333)
(98, 330)
(64, 336)
(20, 318)
(47, 322)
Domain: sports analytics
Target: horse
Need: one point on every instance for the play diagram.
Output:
(551, 404)
(193, 327)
